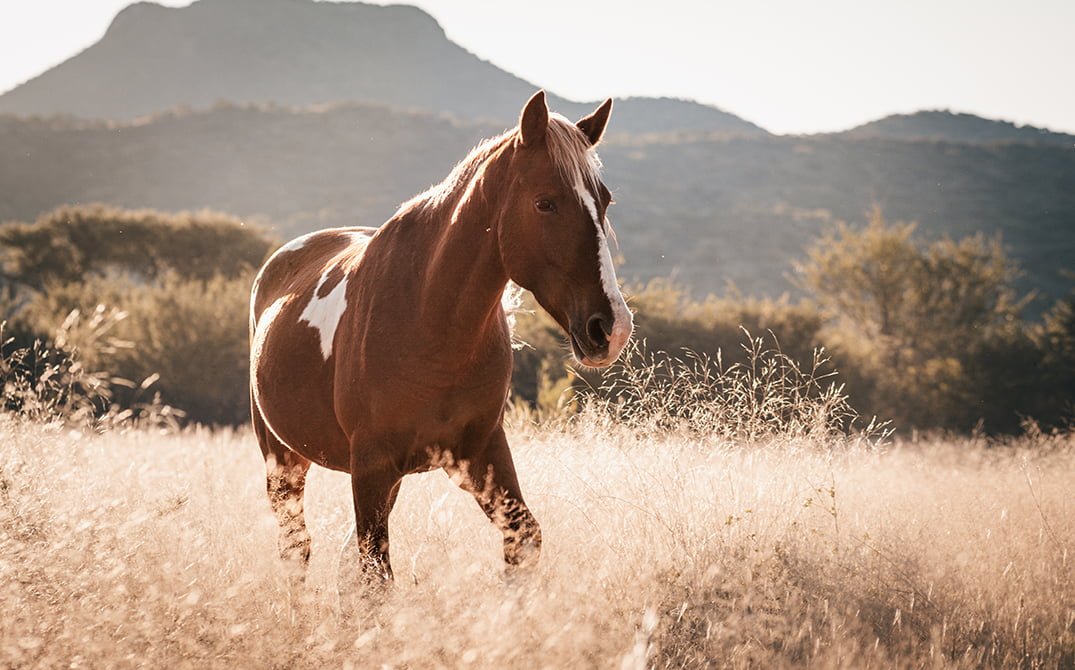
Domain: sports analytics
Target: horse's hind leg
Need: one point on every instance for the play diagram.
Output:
(285, 482)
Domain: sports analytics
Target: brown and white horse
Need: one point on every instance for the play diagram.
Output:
(383, 352)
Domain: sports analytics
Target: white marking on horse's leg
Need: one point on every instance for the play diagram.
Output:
(622, 322)
(324, 314)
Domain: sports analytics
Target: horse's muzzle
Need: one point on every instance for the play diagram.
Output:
(600, 343)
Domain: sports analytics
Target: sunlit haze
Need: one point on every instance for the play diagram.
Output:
(786, 65)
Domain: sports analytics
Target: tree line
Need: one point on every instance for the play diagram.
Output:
(927, 333)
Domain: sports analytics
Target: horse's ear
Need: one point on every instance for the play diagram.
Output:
(593, 126)
(534, 121)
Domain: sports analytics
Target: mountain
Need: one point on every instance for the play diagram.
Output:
(301, 53)
(955, 127)
(339, 111)
(703, 209)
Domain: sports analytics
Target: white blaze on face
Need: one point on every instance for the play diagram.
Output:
(623, 323)
(323, 314)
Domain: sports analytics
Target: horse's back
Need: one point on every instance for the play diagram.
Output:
(298, 265)
(296, 304)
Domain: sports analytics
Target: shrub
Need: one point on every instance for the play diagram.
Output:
(191, 333)
(670, 319)
(71, 244)
(1055, 337)
(49, 381)
(930, 333)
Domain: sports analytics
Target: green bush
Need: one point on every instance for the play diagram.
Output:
(1055, 338)
(191, 333)
(930, 333)
(176, 285)
(669, 319)
(71, 244)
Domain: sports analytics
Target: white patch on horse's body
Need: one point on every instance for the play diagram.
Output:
(257, 347)
(324, 314)
(293, 245)
(358, 238)
(257, 343)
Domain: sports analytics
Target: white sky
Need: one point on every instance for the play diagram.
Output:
(788, 65)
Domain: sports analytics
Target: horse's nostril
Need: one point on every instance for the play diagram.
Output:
(597, 331)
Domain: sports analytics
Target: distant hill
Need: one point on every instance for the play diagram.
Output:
(704, 209)
(955, 127)
(300, 53)
(312, 114)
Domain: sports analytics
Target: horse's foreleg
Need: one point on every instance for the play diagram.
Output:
(489, 475)
(365, 567)
(374, 490)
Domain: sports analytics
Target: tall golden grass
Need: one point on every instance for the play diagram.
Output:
(662, 549)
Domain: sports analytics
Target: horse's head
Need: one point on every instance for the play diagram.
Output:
(553, 232)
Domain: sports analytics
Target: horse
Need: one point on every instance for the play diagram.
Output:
(382, 352)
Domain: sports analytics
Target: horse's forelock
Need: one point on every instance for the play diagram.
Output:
(573, 155)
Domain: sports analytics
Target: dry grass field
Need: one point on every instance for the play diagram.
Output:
(661, 550)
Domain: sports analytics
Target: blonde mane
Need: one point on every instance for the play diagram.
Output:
(460, 176)
(570, 151)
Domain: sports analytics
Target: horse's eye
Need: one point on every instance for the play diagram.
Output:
(545, 205)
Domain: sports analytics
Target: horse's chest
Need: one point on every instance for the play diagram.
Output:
(434, 403)
(447, 397)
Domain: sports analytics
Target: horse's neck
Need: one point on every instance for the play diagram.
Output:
(462, 276)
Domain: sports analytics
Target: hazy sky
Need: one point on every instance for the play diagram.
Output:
(788, 65)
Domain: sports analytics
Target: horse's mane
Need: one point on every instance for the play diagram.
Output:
(460, 176)
(569, 150)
